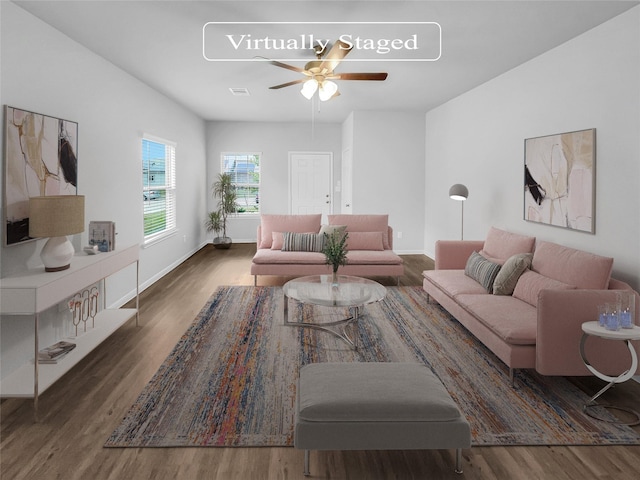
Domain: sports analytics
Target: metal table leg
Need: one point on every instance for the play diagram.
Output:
(623, 377)
(338, 327)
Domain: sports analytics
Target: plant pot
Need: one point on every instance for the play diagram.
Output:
(222, 242)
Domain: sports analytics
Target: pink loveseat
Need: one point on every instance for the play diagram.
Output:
(370, 247)
(546, 291)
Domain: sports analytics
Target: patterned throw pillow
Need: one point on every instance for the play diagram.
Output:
(302, 242)
(482, 270)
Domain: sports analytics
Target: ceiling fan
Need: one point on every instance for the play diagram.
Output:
(319, 74)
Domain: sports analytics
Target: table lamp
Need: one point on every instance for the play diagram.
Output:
(55, 217)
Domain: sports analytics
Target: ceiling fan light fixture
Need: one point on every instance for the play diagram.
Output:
(318, 71)
(327, 90)
(309, 88)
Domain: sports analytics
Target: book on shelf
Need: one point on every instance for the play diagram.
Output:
(55, 352)
(48, 361)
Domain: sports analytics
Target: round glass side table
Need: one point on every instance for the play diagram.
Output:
(626, 335)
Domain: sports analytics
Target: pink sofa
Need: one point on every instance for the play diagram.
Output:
(370, 245)
(548, 291)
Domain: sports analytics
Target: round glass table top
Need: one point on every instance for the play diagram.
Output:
(348, 292)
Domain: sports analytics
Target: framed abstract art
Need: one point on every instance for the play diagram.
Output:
(40, 159)
(560, 180)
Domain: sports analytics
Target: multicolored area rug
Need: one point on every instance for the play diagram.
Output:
(231, 380)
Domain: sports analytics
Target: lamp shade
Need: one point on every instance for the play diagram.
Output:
(56, 215)
(458, 192)
(327, 90)
(309, 88)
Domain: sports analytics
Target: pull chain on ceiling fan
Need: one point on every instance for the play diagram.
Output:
(319, 74)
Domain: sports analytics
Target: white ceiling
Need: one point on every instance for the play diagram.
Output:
(161, 44)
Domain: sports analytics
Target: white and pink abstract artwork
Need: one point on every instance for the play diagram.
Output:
(559, 180)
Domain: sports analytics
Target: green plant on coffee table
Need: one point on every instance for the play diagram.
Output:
(335, 249)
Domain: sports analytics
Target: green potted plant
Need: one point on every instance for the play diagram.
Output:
(213, 223)
(216, 221)
(335, 251)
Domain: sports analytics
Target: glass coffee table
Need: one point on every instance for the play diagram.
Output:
(348, 292)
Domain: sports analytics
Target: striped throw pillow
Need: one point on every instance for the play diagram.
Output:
(302, 242)
(482, 270)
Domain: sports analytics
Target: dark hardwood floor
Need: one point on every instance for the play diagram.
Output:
(80, 411)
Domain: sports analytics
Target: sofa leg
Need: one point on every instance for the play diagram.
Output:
(306, 463)
(398, 281)
(255, 280)
(458, 469)
(512, 376)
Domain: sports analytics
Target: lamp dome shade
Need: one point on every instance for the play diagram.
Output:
(309, 88)
(459, 192)
(327, 90)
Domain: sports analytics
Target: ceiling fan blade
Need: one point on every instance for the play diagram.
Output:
(335, 55)
(359, 76)
(288, 84)
(288, 67)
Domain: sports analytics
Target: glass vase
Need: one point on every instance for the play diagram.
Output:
(627, 310)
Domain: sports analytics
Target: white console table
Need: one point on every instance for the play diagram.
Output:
(35, 290)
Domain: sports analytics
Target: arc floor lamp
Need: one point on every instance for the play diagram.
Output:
(461, 193)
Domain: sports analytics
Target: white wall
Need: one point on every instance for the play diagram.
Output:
(275, 140)
(477, 139)
(388, 163)
(46, 72)
(388, 171)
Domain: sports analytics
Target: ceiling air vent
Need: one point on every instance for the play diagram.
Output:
(239, 92)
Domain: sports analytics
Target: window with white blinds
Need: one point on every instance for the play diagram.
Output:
(244, 169)
(158, 188)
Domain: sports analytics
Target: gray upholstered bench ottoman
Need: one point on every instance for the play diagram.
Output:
(376, 406)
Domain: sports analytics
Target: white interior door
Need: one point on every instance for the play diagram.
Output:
(310, 182)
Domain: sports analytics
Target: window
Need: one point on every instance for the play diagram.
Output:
(158, 188)
(244, 169)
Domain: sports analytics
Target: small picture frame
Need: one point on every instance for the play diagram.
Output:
(103, 235)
